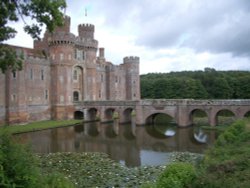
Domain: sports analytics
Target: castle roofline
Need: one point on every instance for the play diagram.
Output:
(28, 51)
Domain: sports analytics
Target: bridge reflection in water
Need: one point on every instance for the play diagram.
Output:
(128, 144)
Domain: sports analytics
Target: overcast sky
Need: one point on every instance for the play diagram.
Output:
(167, 35)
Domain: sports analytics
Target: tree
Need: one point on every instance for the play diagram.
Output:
(44, 12)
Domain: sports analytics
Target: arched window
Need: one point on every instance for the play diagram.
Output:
(76, 96)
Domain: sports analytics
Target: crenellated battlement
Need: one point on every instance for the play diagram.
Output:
(88, 27)
(131, 59)
(61, 38)
(86, 30)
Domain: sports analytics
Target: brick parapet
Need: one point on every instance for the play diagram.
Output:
(169, 102)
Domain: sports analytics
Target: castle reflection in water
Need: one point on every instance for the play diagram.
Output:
(130, 145)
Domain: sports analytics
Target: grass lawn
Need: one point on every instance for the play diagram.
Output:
(40, 125)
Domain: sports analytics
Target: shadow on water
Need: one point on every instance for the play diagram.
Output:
(129, 144)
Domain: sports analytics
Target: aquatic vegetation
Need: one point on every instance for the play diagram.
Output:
(97, 170)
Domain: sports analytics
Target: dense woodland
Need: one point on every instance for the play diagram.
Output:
(207, 84)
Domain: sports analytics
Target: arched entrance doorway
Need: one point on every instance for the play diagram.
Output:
(78, 115)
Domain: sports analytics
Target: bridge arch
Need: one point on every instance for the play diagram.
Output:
(78, 115)
(127, 115)
(199, 116)
(247, 114)
(152, 117)
(224, 116)
(109, 114)
(92, 114)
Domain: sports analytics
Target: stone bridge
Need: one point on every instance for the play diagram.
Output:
(181, 110)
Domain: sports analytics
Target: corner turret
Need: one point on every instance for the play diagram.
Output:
(65, 27)
(131, 64)
(86, 31)
(131, 59)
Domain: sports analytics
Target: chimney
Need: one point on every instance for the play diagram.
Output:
(101, 52)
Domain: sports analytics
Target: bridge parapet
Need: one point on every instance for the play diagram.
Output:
(192, 102)
(106, 103)
(164, 102)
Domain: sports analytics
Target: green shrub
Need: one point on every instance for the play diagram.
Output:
(18, 167)
(228, 159)
(233, 135)
(177, 175)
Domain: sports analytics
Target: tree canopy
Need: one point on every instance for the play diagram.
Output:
(43, 12)
(207, 84)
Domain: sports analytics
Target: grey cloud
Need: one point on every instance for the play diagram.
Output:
(209, 26)
(215, 26)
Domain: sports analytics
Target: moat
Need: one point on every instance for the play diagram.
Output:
(127, 144)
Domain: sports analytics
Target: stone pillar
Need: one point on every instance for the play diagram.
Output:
(102, 115)
(183, 117)
(86, 114)
(212, 118)
(139, 116)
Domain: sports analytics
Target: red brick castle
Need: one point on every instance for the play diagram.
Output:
(60, 70)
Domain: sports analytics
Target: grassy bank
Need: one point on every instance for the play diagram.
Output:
(36, 126)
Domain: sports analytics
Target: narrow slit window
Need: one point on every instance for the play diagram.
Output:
(14, 74)
(31, 74)
(46, 94)
(42, 74)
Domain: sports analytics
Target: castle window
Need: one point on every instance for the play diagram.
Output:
(76, 96)
(14, 74)
(31, 74)
(79, 54)
(61, 56)
(75, 75)
(101, 77)
(100, 94)
(69, 56)
(13, 97)
(61, 98)
(46, 94)
(75, 53)
(42, 74)
(116, 79)
(83, 55)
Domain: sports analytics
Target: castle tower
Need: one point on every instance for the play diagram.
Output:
(86, 44)
(132, 78)
(86, 31)
(61, 48)
(65, 27)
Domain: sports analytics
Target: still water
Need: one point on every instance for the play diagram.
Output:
(127, 144)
